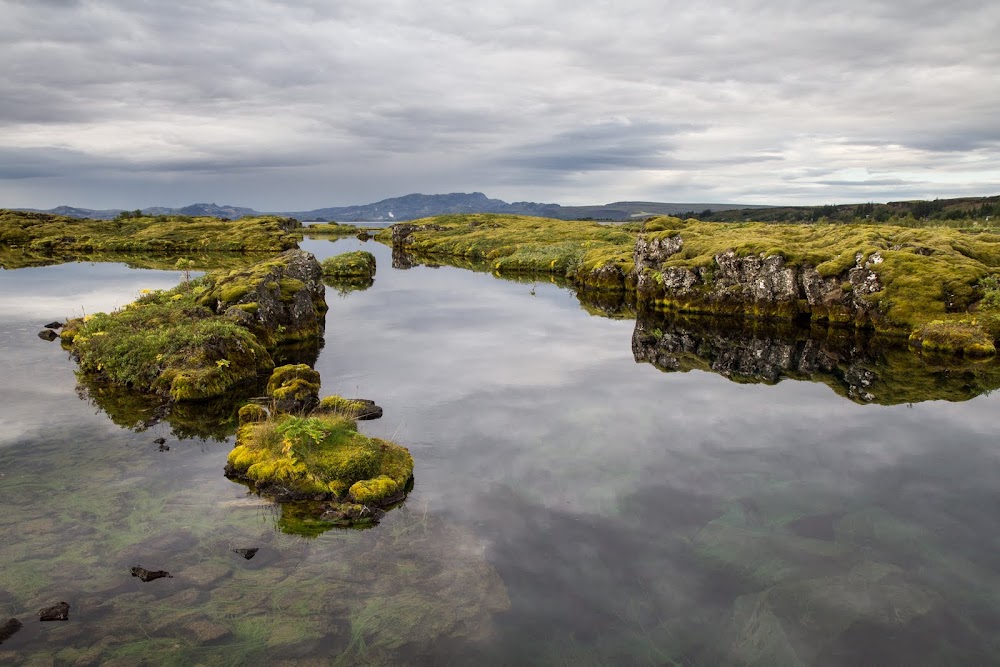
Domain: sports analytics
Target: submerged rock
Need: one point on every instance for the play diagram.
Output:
(48, 334)
(149, 575)
(247, 553)
(8, 629)
(58, 612)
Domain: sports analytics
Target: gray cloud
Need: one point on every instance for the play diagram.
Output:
(294, 105)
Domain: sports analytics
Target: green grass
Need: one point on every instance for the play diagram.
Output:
(42, 232)
(165, 343)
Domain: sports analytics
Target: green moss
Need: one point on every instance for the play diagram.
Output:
(165, 343)
(371, 491)
(341, 405)
(161, 234)
(357, 264)
(252, 413)
(926, 274)
(319, 457)
(299, 376)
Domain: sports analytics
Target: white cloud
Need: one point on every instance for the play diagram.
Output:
(296, 105)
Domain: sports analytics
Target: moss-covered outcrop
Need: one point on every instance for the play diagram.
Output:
(281, 299)
(167, 344)
(190, 343)
(53, 234)
(321, 457)
(332, 229)
(350, 271)
(929, 284)
(356, 264)
(294, 388)
(593, 256)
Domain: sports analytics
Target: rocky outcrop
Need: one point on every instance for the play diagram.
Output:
(401, 234)
(760, 285)
(280, 299)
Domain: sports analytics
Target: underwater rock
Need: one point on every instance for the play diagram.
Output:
(247, 553)
(284, 296)
(8, 629)
(48, 334)
(58, 612)
(361, 409)
(54, 325)
(159, 441)
(164, 448)
(149, 575)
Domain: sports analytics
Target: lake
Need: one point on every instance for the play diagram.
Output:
(588, 490)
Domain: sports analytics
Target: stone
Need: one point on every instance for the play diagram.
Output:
(58, 612)
(149, 575)
(54, 325)
(247, 553)
(8, 629)
(48, 334)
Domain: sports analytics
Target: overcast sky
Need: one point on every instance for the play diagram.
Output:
(297, 105)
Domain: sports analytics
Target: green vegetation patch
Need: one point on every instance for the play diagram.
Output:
(166, 343)
(320, 457)
(514, 244)
(357, 264)
(53, 234)
(334, 229)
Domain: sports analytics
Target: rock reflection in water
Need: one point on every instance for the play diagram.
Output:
(855, 364)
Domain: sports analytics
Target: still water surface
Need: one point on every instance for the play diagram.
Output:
(571, 505)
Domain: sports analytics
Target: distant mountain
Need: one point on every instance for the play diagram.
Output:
(413, 206)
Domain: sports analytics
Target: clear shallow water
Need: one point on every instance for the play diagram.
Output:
(571, 505)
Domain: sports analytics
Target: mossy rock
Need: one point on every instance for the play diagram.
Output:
(294, 388)
(165, 343)
(356, 408)
(357, 264)
(283, 297)
(252, 413)
(321, 458)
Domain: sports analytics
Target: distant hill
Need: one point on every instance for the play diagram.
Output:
(415, 206)
(410, 207)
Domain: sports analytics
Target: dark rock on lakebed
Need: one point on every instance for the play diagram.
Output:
(159, 441)
(58, 612)
(48, 334)
(8, 629)
(149, 575)
(247, 553)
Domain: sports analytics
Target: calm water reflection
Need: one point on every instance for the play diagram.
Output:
(571, 505)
